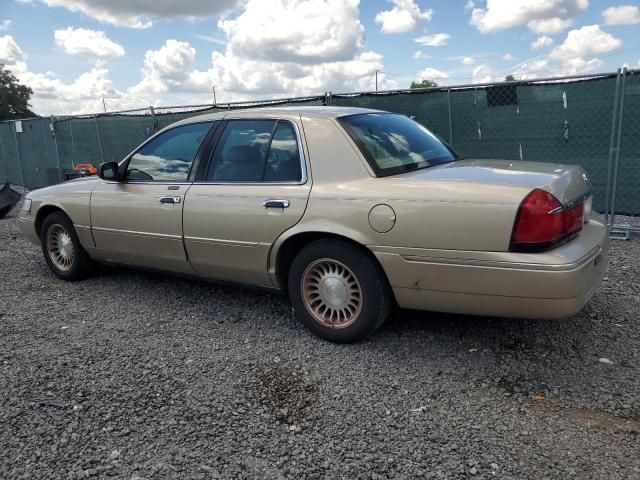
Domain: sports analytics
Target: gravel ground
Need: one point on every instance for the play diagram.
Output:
(137, 375)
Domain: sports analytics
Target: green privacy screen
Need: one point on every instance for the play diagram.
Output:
(563, 121)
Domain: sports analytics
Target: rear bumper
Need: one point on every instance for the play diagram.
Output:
(554, 284)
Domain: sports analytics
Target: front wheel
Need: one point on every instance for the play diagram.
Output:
(62, 250)
(338, 291)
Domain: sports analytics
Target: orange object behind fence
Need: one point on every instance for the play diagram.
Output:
(89, 168)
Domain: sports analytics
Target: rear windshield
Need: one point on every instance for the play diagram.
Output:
(393, 143)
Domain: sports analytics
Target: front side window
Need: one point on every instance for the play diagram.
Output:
(393, 143)
(169, 156)
(256, 151)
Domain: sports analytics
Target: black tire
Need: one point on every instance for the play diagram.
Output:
(81, 265)
(375, 294)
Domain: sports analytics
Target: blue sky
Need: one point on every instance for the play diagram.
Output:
(141, 52)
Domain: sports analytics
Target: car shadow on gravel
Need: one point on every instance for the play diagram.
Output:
(409, 326)
(509, 334)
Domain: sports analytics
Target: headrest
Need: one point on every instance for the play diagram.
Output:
(244, 154)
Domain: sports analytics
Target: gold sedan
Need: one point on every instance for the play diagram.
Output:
(352, 211)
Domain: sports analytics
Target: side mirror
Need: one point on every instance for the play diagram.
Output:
(108, 171)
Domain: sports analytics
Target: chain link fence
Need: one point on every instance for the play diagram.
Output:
(590, 120)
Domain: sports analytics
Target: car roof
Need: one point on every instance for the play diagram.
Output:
(311, 111)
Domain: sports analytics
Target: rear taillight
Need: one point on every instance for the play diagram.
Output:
(542, 222)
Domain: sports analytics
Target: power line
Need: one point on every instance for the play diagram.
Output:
(415, 76)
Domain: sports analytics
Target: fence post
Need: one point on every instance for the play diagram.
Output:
(55, 141)
(5, 162)
(617, 157)
(15, 137)
(450, 118)
(95, 118)
(73, 142)
(614, 121)
(155, 120)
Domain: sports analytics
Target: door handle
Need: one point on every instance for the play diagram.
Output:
(170, 199)
(275, 203)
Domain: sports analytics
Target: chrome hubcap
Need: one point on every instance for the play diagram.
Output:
(331, 293)
(60, 247)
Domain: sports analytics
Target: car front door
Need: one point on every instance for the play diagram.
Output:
(254, 187)
(139, 220)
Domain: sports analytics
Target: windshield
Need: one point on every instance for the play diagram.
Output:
(393, 143)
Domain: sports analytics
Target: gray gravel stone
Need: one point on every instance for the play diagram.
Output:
(185, 379)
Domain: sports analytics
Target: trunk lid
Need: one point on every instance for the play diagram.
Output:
(565, 182)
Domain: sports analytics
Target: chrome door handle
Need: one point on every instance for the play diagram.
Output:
(275, 203)
(170, 199)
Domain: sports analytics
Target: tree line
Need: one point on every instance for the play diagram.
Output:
(14, 97)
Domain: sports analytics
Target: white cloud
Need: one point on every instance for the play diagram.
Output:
(468, 61)
(508, 57)
(277, 48)
(544, 67)
(420, 55)
(482, 74)
(550, 26)
(541, 42)
(429, 73)
(10, 53)
(622, 15)
(405, 16)
(470, 5)
(250, 77)
(584, 42)
(433, 40)
(142, 13)
(542, 16)
(90, 42)
(538, 67)
(309, 47)
(308, 31)
(50, 94)
(578, 66)
(170, 68)
(5, 25)
(576, 55)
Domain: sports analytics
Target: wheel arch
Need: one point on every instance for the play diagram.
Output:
(292, 245)
(43, 212)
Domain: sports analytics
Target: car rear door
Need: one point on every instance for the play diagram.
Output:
(254, 187)
(139, 220)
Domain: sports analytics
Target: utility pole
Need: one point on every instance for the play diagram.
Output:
(214, 95)
(377, 80)
(104, 103)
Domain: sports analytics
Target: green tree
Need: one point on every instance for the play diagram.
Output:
(424, 84)
(14, 97)
(509, 78)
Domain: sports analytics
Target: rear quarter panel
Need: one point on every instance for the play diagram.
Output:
(452, 215)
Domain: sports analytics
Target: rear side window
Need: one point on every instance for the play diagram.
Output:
(394, 144)
(256, 151)
(283, 161)
(169, 156)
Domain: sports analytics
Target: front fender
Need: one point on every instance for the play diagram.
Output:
(72, 198)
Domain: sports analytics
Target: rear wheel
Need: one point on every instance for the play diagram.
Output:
(338, 291)
(62, 250)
